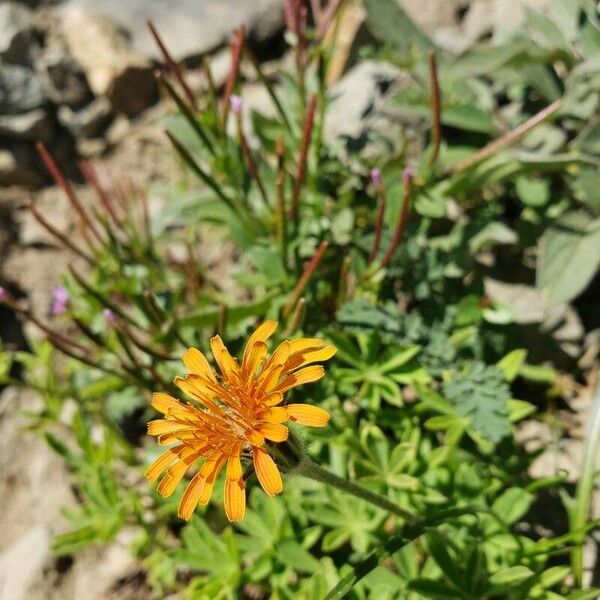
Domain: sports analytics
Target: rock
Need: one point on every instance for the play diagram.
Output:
(189, 28)
(89, 122)
(18, 165)
(112, 67)
(32, 125)
(361, 116)
(454, 25)
(20, 90)
(540, 322)
(17, 34)
(63, 79)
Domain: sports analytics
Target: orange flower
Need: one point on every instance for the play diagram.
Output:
(234, 414)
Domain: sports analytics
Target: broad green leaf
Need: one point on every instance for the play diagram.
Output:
(511, 364)
(510, 577)
(390, 24)
(512, 504)
(568, 256)
(297, 557)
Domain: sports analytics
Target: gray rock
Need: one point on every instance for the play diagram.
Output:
(63, 79)
(32, 125)
(89, 122)
(362, 117)
(17, 33)
(20, 90)
(189, 27)
(544, 328)
(113, 69)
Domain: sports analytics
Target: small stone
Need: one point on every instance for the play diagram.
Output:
(20, 90)
(113, 68)
(89, 122)
(32, 125)
(17, 34)
(63, 79)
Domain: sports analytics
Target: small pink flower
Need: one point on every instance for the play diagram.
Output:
(407, 176)
(109, 316)
(60, 300)
(3, 294)
(376, 177)
(236, 103)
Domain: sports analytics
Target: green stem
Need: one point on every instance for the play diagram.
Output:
(309, 469)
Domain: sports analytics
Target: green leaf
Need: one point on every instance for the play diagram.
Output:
(568, 256)
(493, 234)
(519, 409)
(511, 364)
(481, 394)
(390, 24)
(297, 557)
(510, 577)
(512, 504)
(533, 192)
(429, 588)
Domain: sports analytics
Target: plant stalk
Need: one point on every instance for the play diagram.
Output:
(310, 469)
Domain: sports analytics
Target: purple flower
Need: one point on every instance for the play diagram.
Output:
(60, 300)
(376, 177)
(3, 294)
(407, 176)
(109, 316)
(236, 103)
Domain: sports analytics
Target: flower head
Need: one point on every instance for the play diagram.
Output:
(3, 294)
(60, 300)
(376, 177)
(236, 103)
(109, 316)
(234, 414)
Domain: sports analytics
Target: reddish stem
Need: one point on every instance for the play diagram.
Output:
(378, 225)
(66, 186)
(237, 44)
(305, 277)
(307, 130)
(172, 65)
(401, 223)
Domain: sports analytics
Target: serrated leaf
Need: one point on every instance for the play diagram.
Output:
(568, 256)
(481, 394)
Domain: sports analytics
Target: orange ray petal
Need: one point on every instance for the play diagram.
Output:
(273, 431)
(207, 490)
(276, 414)
(306, 375)
(267, 472)
(172, 477)
(234, 467)
(253, 357)
(269, 378)
(227, 364)
(235, 499)
(195, 387)
(304, 344)
(311, 356)
(272, 399)
(191, 496)
(306, 414)
(262, 333)
(281, 354)
(164, 403)
(161, 426)
(162, 462)
(196, 362)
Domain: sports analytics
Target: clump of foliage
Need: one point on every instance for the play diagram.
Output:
(429, 382)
